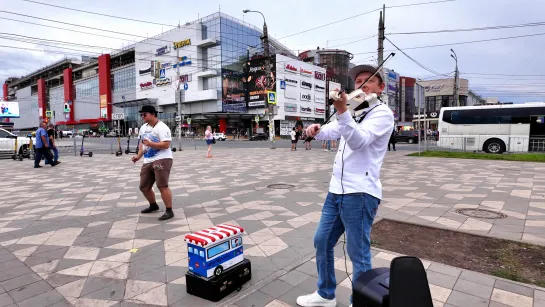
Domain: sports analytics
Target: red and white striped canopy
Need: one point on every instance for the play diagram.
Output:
(213, 234)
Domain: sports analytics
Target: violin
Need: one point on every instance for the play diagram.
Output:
(357, 100)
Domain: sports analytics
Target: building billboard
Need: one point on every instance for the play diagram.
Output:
(257, 80)
(233, 91)
(9, 109)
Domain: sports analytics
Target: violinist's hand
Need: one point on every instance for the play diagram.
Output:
(312, 130)
(340, 104)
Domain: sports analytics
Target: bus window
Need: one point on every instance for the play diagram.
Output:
(201, 253)
(190, 250)
(236, 242)
(218, 249)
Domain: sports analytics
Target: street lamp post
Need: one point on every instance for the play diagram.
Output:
(265, 39)
(456, 98)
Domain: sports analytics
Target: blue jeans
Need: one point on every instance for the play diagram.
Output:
(55, 154)
(353, 213)
(38, 156)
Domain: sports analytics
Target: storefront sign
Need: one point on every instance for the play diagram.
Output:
(306, 109)
(166, 65)
(305, 73)
(290, 68)
(319, 75)
(434, 88)
(392, 89)
(392, 76)
(306, 97)
(319, 98)
(291, 82)
(319, 111)
(256, 104)
(306, 85)
(319, 88)
(118, 116)
(103, 101)
(290, 107)
(161, 51)
(183, 61)
(146, 85)
(180, 44)
(185, 78)
(162, 82)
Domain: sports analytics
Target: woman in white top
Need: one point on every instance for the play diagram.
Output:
(209, 140)
(293, 135)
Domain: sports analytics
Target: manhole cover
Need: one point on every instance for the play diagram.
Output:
(481, 213)
(281, 186)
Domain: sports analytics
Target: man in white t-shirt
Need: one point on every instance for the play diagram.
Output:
(155, 147)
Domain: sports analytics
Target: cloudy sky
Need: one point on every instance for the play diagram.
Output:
(511, 69)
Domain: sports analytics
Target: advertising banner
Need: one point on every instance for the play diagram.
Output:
(9, 109)
(233, 91)
(257, 83)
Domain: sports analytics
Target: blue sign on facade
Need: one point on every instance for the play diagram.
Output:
(283, 84)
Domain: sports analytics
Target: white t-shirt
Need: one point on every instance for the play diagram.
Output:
(159, 133)
(292, 133)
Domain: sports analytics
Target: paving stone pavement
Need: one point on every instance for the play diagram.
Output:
(67, 232)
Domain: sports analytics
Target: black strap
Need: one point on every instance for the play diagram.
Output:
(359, 120)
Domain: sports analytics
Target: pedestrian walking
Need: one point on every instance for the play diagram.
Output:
(42, 147)
(355, 189)
(155, 148)
(209, 137)
(51, 132)
(392, 140)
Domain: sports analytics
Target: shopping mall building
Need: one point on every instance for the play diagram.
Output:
(203, 67)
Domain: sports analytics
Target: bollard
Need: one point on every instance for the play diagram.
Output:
(75, 148)
(112, 148)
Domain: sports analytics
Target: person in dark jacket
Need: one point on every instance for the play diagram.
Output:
(392, 140)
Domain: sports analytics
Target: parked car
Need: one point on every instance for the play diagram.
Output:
(409, 136)
(259, 137)
(220, 137)
(7, 143)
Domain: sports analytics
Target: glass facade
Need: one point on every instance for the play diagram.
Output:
(337, 68)
(87, 88)
(123, 79)
(238, 43)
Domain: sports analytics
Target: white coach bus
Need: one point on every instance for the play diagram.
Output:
(493, 128)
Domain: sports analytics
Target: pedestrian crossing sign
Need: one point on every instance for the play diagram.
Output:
(271, 97)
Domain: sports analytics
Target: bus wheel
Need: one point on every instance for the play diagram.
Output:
(495, 146)
(218, 270)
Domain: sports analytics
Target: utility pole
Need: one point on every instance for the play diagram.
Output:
(268, 78)
(456, 101)
(381, 28)
(179, 123)
(268, 81)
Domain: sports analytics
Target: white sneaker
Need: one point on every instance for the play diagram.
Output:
(315, 300)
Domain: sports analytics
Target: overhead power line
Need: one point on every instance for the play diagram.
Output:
(533, 24)
(460, 43)
(76, 25)
(100, 14)
(415, 61)
(365, 13)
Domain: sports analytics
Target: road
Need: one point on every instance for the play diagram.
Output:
(108, 144)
